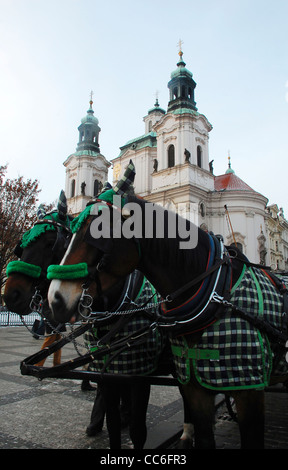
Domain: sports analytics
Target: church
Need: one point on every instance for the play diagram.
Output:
(173, 169)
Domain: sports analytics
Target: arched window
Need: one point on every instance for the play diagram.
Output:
(199, 156)
(72, 188)
(150, 126)
(175, 92)
(171, 156)
(96, 188)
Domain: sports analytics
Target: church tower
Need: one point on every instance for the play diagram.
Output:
(86, 169)
(172, 157)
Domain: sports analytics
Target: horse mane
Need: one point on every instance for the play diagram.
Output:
(166, 249)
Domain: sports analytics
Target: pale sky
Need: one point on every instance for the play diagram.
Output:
(53, 53)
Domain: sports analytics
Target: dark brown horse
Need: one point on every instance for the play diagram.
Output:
(189, 277)
(42, 245)
(45, 244)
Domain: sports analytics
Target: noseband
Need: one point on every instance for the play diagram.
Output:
(79, 271)
(33, 270)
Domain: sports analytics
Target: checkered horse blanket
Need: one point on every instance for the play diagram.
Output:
(139, 359)
(232, 354)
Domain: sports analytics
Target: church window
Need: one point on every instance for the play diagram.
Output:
(199, 156)
(150, 126)
(72, 188)
(189, 93)
(175, 92)
(202, 209)
(96, 188)
(183, 91)
(171, 156)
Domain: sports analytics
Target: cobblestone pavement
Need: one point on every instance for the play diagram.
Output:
(54, 413)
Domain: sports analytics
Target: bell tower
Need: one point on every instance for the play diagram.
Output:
(87, 168)
(181, 87)
(89, 131)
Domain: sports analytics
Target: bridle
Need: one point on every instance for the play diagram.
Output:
(37, 272)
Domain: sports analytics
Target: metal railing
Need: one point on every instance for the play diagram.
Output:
(13, 319)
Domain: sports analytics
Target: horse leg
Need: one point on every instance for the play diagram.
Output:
(97, 414)
(201, 404)
(186, 439)
(140, 393)
(113, 420)
(125, 406)
(251, 416)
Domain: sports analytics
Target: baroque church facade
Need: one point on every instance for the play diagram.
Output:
(173, 169)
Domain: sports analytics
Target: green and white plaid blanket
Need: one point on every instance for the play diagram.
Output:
(139, 359)
(232, 354)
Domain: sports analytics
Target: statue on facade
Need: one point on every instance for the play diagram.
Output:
(187, 155)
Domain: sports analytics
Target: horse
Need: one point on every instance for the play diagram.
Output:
(44, 244)
(195, 283)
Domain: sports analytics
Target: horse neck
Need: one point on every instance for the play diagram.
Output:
(168, 267)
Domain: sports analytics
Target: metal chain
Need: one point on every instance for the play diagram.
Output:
(89, 299)
(36, 305)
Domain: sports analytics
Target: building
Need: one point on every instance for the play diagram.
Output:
(173, 169)
(277, 242)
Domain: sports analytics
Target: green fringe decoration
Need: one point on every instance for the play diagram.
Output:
(38, 229)
(70, 271)
(107, 196)
(24, 268)
(76, 223)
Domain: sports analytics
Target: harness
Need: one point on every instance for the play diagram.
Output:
(202, 309)
(41, 226)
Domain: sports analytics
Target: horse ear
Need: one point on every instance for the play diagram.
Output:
(125, 183)
(41, 212)
(62, 206)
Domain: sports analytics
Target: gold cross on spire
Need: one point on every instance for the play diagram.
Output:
(179, 44)
(91, 98)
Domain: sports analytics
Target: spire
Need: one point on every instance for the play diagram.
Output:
(156, 105)
(181, 86)
(89, 130)
(229, 165)
(180, 53)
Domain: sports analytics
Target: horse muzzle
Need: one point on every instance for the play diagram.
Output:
(17, 294)
(63, 298)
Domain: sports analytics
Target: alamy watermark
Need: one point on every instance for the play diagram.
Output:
(146, 221)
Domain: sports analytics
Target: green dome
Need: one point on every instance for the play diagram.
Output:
(90, 117)
(89, 132)
(181, 71)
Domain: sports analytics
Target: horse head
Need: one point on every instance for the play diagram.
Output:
(45, 243)
(97, 259)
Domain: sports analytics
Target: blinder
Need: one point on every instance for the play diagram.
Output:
(18, 250)
(102, 243)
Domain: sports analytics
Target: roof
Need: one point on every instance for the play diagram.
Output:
(230, 182)
(146, 140)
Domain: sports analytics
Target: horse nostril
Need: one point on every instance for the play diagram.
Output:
(12, 298)
(58, 301)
